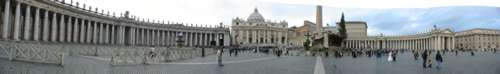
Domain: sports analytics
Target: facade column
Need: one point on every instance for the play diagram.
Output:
(158, 37)
(76, 30)
(69, 29)
(106, 34)
(453, 43)
(190, 39)
(90, 31)
(54, 28)
(207, 41)
(95, 33)
(17, 21)
(217, 37)
(440, 44)
(62, 28)
(6, 20)
(148, 37)
(137, 36)
(167, 38)
(113, 34)
(143, 36)
(45, 35)
(161, 37)
(131, 36)
(197, 39)
(153, 37)
(100, 33)
(27, 23)
(37, 31)
(83, 32)
(186, 38)
(121, 30)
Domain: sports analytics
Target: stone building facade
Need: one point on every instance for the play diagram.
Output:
(478, 38)
(62, 22)
(255, 31)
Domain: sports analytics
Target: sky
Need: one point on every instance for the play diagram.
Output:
(391, 17)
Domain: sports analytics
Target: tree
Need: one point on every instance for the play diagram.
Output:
(306, 44)
(342, 30)
(337, 39)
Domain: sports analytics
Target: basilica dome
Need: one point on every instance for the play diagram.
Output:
(255, 17)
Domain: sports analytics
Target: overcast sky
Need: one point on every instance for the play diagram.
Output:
(212, 12)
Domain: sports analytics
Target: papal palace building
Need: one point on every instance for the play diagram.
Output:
(50, 21)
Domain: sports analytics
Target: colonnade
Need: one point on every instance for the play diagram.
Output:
(57, 22)
(434, 42)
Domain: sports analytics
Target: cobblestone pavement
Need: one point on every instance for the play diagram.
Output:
(257, 63)
(464, 63)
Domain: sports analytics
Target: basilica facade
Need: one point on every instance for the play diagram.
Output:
(255, 31)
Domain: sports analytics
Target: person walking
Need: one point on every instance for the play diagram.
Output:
(424, 59)
(415, 55)
(219, 57)
(390, 58)
(439, 60)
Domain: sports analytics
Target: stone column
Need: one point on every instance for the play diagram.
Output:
(17, 22)
(46, 28)
(62, 29)
(217, 37)
(37, 30)
(6, 20)
(83, 32)
(191, 39)
(196, 40)
(54, 28)
(148, 37)
(90, 31)
(169, 38)
(453, 43)
(162, 38)
(121, 35)
(101, 33)
(144, 37)
(158, 37)
(132, 36)
(69, 29)
(440, 43)
(138, 36)
(107, 32)
(113, 34)
(154, 39)
(76, 30)
(95, 33)
(27, 23)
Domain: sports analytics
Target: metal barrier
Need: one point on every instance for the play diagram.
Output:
(119, 55)
(33, 52)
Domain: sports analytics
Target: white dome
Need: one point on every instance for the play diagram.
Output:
(255, 17)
